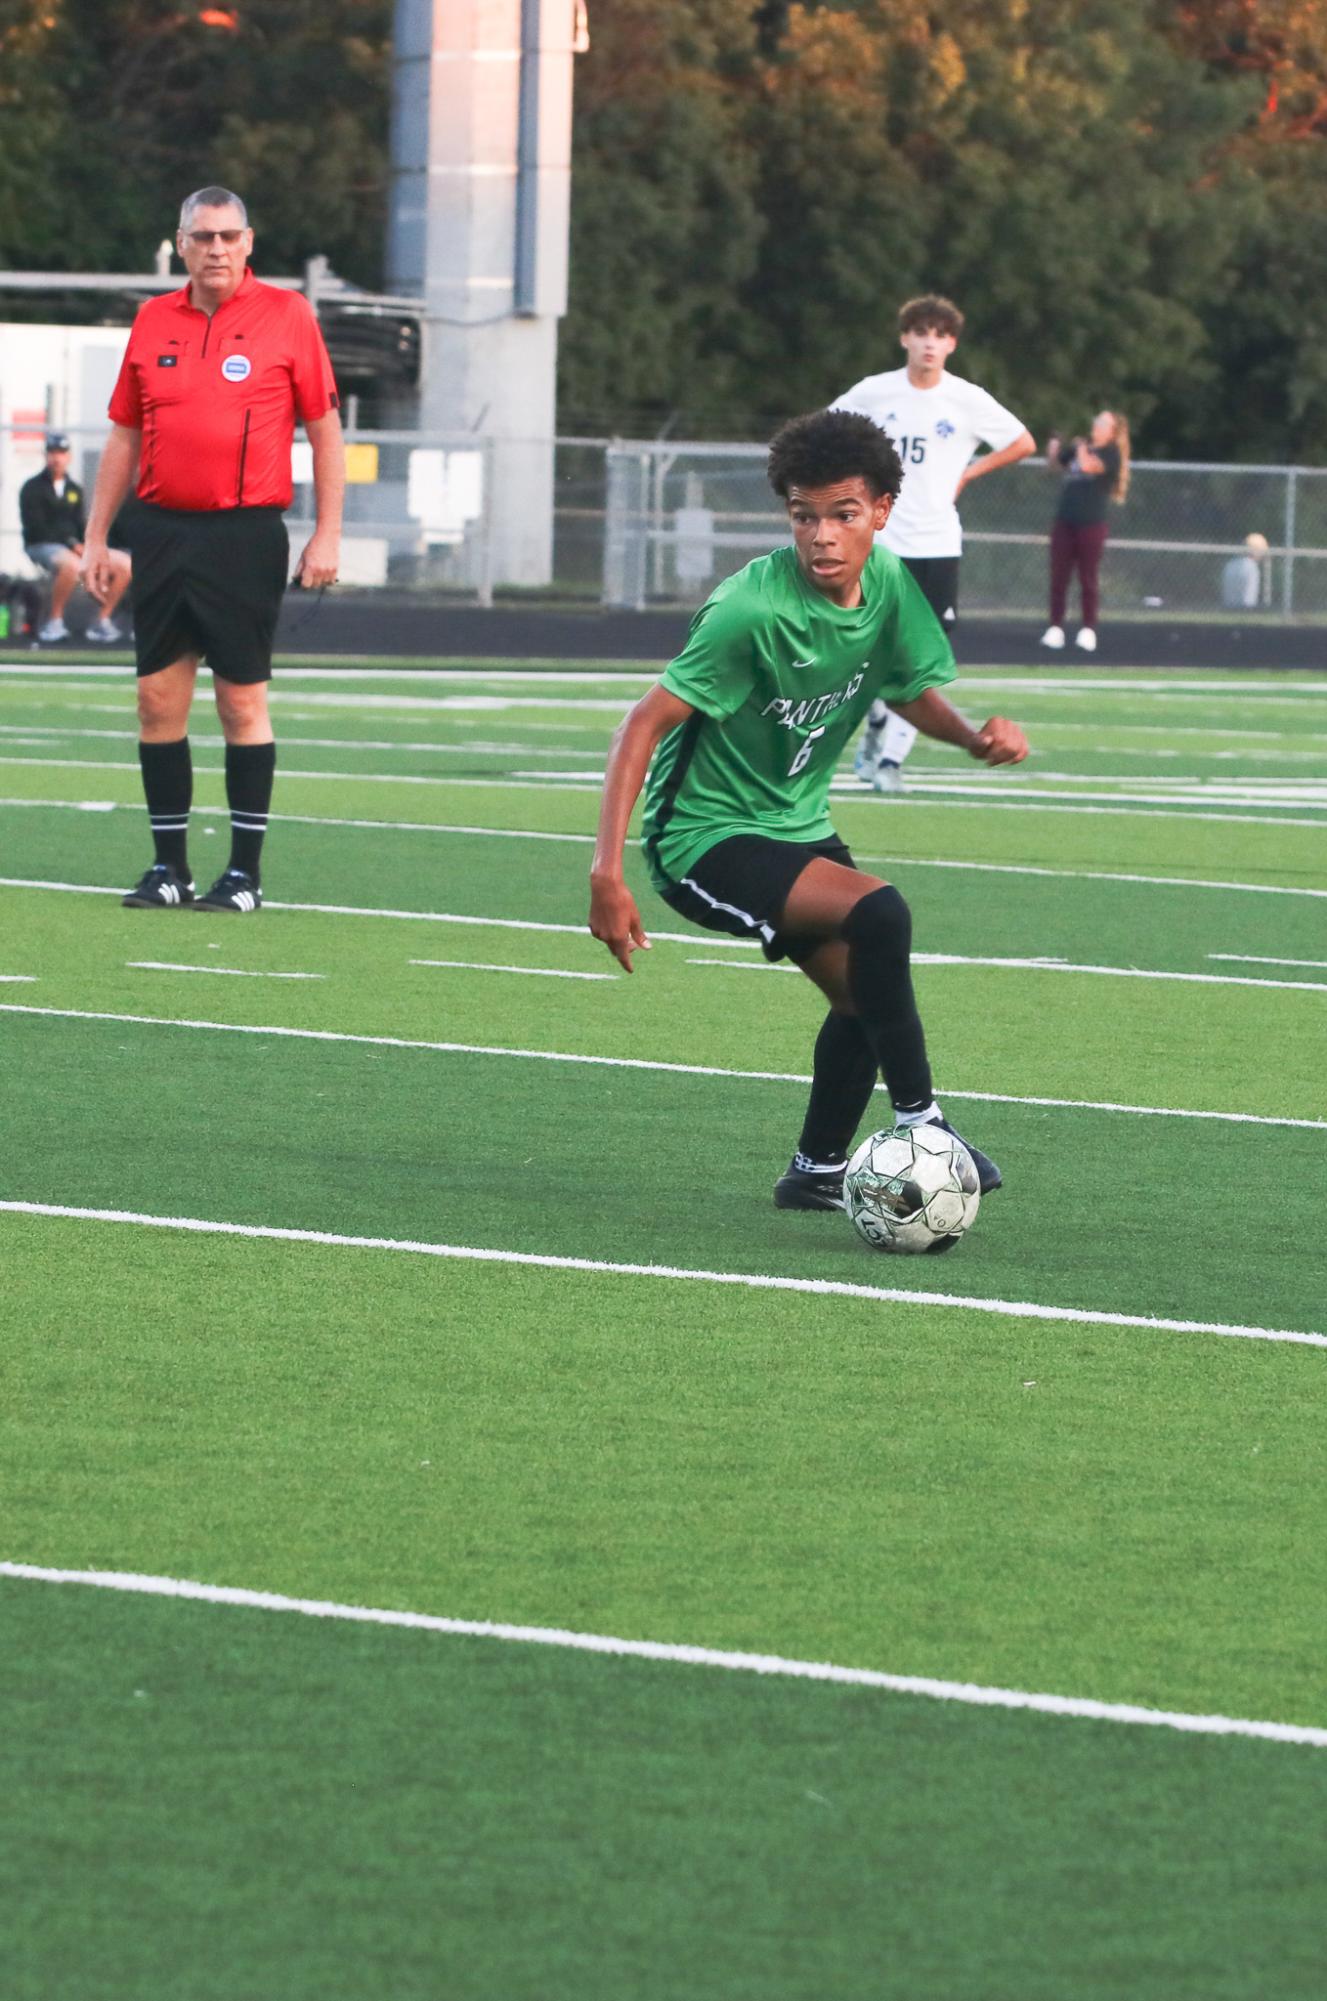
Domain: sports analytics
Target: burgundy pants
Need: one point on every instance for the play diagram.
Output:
(1076, 549)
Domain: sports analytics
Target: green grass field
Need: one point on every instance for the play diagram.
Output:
(537, 1350)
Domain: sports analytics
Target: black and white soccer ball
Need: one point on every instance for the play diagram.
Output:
(912, 1189)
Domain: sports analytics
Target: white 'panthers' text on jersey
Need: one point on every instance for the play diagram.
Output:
(936, 432)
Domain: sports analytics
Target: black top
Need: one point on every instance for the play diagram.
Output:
(49, 516)
(1085, 496)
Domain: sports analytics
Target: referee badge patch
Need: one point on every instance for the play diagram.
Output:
(236, 367)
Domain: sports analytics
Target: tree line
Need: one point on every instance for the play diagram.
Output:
(1126, 197)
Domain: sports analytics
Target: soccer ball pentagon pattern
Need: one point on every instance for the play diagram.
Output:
(912, 1188)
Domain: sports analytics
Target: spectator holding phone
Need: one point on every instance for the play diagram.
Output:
(1094, 472)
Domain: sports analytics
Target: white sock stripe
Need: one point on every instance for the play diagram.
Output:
(1009, 1309)
(971, 1694)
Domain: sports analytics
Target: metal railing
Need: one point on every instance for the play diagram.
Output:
(639, 523)
(681, 516)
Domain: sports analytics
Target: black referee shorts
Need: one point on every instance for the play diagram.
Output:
(209, 584)
(740, 886)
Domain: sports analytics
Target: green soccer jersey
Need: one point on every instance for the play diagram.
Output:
(779, 678)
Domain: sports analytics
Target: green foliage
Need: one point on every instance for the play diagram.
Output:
(665, 223)
(1098, 182)
(127, 105)
(1123, 195)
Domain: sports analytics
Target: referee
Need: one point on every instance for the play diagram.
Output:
(203, 415)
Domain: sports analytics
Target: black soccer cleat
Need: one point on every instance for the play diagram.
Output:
(235, 891)
(989, 1176)
(160, 888)
(808, 1188)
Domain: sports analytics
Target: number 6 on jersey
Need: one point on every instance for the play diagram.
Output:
(803, 757)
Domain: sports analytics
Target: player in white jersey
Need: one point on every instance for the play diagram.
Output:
(937, 421)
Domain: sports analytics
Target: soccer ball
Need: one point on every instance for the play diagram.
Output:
(912, 1188)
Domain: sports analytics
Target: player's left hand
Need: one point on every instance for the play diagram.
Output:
(316, 567)
(999, 742)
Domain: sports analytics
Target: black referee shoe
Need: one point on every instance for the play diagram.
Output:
(232, 891)
(161, 888)
(988, 1174)
(804, 1188)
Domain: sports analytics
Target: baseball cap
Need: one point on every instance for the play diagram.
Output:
(57, 441)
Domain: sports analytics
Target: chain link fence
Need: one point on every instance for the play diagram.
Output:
(681, 516)
(655, 522)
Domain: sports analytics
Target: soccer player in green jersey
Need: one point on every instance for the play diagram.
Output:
(749, 721)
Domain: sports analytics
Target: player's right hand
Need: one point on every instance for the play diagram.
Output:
(1000, 742)
(616, 922)
(95, 572)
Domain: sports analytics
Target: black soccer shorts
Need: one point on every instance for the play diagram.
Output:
(208, 584)
(740, 886)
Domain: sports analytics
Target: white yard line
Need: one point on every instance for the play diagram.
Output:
(40, 735)
(972, 1694)
(1274, 689)
(634, 1063)
(329, 820)
(1087, 875)
(39, 739)
(534, 972)
(1009, 1309)
(1256, 959)
(409, 916)
(358, 667)
(572, 781)
(229, 972)
(354, 668)
(893, 860)
(1055, 965)
(18, 979)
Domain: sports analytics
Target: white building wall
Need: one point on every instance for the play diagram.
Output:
(51, 378)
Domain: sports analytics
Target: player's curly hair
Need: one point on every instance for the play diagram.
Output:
(930, 310)
(830, 445)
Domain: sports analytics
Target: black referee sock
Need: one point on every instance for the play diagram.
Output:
(843, 1076)
(168, 785)
(878, 931)
(250, 768)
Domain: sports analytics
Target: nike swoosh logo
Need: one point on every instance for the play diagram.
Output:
(802, 663)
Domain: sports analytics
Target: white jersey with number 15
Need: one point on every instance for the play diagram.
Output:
(936, 432)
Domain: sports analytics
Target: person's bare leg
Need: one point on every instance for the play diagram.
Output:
(62, 583)
(164, 699)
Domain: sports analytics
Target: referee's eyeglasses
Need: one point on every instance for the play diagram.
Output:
(201, 238)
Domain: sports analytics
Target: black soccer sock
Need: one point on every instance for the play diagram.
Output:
(878, 931)
(168, 785)
(250, 768)
(843, 1076)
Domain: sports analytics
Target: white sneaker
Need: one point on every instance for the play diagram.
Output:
(1053, 637)
(888, 778)
(868, 755)
(54, 628)
(1087, 639)
(103, 633)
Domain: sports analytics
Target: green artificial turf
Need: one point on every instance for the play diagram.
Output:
(210, 1802)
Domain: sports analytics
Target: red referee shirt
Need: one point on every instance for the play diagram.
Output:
(216, 399)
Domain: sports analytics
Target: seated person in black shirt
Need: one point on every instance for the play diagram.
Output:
(52, 512)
